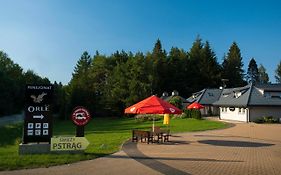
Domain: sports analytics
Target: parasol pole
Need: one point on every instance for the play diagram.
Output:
(153, 124)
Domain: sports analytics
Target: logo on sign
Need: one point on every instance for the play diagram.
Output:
(132, 109)
(172, 110)
(39, 98)
(80, 116)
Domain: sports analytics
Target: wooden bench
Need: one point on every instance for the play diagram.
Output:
(161, 134)
(142, 135)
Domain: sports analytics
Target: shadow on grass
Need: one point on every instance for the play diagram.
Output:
(9, 134)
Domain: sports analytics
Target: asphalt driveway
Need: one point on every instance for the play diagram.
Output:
(242, 149)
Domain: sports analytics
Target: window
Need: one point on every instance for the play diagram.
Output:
(223, 109)
(242, 110)
(237, 94)
(232, 109)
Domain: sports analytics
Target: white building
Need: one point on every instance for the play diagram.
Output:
(250, 102)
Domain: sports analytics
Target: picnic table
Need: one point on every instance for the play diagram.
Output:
(157, 135)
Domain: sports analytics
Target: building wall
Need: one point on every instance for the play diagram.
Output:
(238, 114)
(258, 112)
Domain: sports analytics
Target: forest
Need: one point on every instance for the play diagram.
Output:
(106, 85)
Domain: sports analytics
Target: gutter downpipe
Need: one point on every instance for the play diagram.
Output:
(247, 105)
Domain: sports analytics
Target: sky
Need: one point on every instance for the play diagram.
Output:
(49, 36)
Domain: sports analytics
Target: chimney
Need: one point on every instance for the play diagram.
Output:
(175, 93)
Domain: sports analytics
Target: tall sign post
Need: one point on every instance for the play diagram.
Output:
(38, 122)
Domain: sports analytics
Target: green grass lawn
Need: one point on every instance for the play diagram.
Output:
(105, 135)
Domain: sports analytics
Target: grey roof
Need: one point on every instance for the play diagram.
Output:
(251, 95)
(260, 96)
(205, 96)
(234, 97)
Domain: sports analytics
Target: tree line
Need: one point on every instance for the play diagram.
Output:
(12, 85)
(106, 85)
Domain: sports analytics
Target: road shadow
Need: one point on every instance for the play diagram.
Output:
(132, 151)
(230, 143)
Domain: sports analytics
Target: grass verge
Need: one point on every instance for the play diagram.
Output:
(105, 135)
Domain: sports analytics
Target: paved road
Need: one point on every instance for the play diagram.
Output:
(242, 149)
(11, 119)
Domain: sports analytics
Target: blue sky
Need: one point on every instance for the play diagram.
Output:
(49, 36)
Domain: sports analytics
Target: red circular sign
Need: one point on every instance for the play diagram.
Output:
(80, 116)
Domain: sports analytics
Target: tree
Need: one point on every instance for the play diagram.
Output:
(278, 73)
(252, 73)
(205, 69)
(80, 91)
(195, 57)
(263, 76)
(210, 69)
(158, 69)
(11, 86)
(177, 71)
(233, 67)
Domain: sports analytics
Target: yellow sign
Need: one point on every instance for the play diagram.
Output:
(166, 119)
(69, 143)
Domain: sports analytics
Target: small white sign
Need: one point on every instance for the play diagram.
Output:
(37, 132)
(45, 125)
(45, 132)
(30, 125)
(38, 125)
(30, 132)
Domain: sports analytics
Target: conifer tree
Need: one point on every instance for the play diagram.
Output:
(263, 76)
(233, 67)
(278, 73)
(252, 73)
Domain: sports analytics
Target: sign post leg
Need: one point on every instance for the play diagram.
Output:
(79, 131)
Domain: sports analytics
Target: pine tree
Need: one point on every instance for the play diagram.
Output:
(177, 70)
(209, 67)
(195, 57)
(278, 73)
(158, 62)
(233, 67)
(81, 93)
(263, 76)
(81, 69)
(252, 73)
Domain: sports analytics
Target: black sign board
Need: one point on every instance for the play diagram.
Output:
(38, 113)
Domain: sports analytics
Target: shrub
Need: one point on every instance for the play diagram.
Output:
(148, 117)
(176, 101)
(269, 119)
(193, 113)
(266, 119)
(259, 120)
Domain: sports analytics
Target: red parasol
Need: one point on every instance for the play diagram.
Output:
(195, 105)
(152, 105)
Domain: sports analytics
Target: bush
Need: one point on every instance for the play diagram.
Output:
(176, 101)
(259, 120)
(148, 117)
(266, 119)
(193, 113)
(269, 119)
